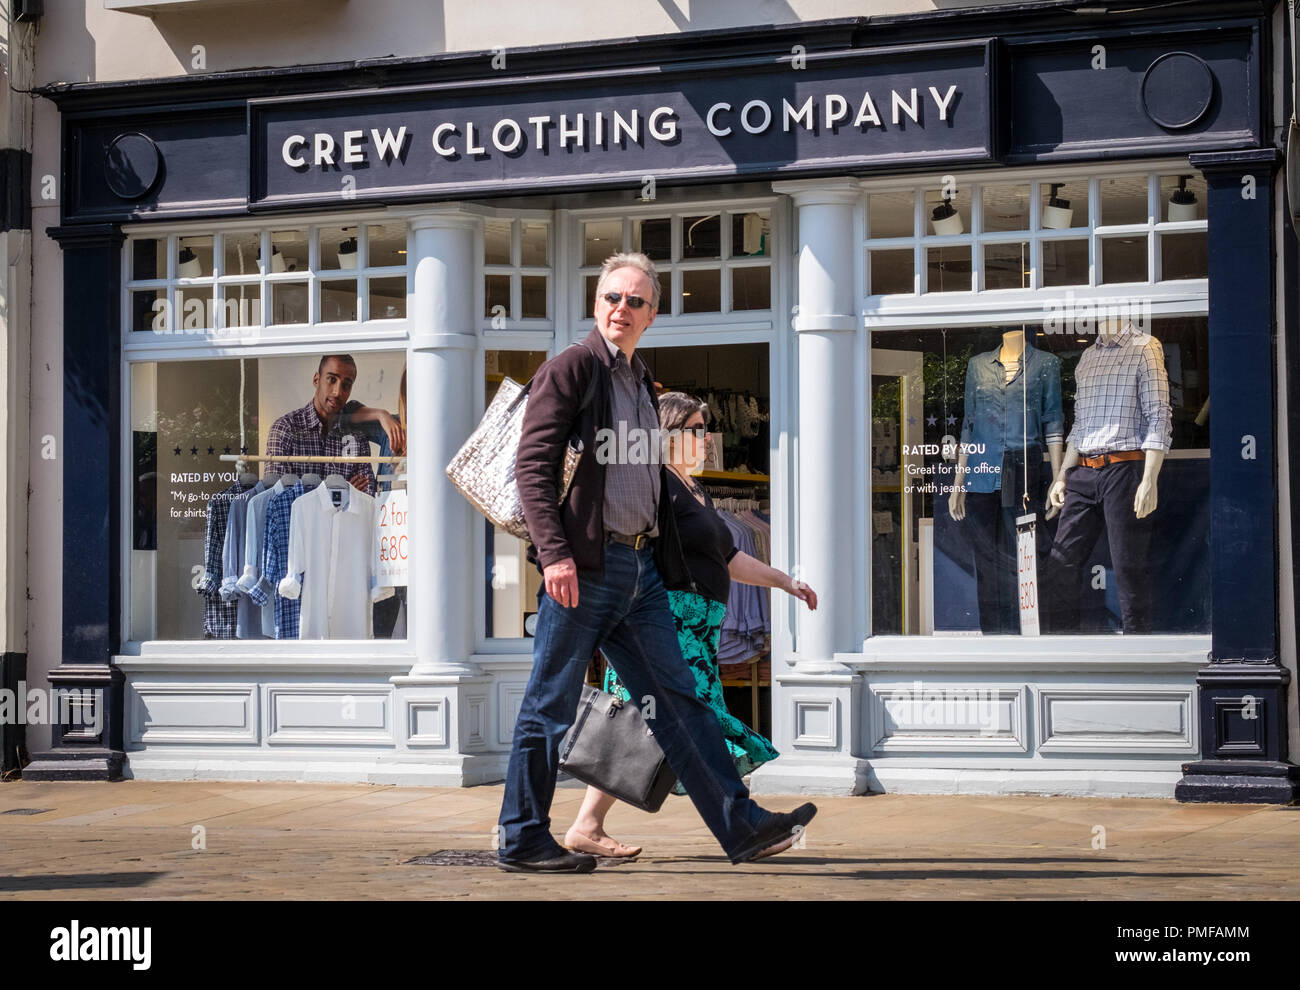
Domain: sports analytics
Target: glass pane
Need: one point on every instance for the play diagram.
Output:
(291, 247)
(948, 269)
(964, 420)
(701, 291)
(533, 243)
(892, 271)
(751, 288)
(242, 305)
(1064, 204)
(702, 236)
(338, 301)
(186, 416)
(891, 214)
(601, 238)
(512, 582)
(750, 234)
(665, 304)
(496, 296)
(589, 295)
(147, 258)
(387, 244)
(1124, 200)
(654, 238)
(947, 218)
(288, 303)
(1123, 259)
(195, 257)
(533, 288)
(240, 253)
(387, 298)
(1065, 263)
(149, 310)
(338, 248)
(1006, 207)
(194, 308)
(1006, 266)
(1182, 197)
(496, 242)
(1184, 256)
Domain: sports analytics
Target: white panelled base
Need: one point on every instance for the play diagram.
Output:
(341, 719)
(920, 717)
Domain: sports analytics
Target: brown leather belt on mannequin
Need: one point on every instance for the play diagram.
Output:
(1101, 460)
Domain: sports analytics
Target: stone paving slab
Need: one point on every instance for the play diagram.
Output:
(133, 840)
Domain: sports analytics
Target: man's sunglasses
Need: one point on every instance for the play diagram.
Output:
(614, 298)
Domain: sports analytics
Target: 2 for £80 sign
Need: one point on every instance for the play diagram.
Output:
(392, 543)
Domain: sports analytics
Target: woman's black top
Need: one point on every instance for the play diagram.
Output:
(706, 540)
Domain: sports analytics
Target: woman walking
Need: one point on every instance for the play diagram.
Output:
(714, 562)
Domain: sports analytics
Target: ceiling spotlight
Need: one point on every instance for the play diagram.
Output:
(190, 266)
(1182, 204)
(348, 253)
(945, 219)
(1057, 215)
(277, 259)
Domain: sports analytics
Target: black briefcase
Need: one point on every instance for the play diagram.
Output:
(610, 746)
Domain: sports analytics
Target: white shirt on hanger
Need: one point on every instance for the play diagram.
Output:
(331, 564)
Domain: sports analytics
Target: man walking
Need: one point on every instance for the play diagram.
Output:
(607, 554)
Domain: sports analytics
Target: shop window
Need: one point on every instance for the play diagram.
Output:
(515, 291)
(215, 557)
(1184, 256)
(1124, 200)
(992, 411)
(1063, 204)
(701, 291)
(1065, 263)
(338, 301)
(1006, 266)
(702, 236)
(148, 258)
(1005, 207)
(891, 271)
(241, 305)
(1182, 197)
(947, 211)
(195, 258)
(340, 248)
(386, 245)
(512, 581)
(242, 253)
(1123, 259)
(948, 269)
(289, 251)
(288, 303)
(738, 242)
(387, 298)
(149, 311)
(891, 214)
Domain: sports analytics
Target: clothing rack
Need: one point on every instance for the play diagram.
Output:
(309, 459)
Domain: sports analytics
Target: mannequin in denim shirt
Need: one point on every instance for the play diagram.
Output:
(1005, 428)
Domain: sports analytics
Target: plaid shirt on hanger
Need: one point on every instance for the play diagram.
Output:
(219, 618)
(275, 563)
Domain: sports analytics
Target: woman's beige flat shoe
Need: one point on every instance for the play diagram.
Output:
(579, 842)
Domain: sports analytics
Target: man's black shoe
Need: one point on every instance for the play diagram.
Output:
(778, 835)
(564, 862)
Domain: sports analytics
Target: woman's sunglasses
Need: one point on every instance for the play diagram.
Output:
(633, 302)
(699, 432)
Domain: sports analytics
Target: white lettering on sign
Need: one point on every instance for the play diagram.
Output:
(392, 543)
(611, 127)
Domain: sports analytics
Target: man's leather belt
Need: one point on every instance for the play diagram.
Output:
(635, 542)
(1101, 460)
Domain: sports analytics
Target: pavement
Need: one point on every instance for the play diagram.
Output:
(142, 840)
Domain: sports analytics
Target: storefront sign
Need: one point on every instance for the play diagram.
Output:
(824, 112)
(392, 543)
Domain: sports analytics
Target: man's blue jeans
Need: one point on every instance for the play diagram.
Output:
(627, 616)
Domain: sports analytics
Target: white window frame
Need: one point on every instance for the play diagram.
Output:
(359, 337)
(515, 322)
(921, 311)
(670, 323)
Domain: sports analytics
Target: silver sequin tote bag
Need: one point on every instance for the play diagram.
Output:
(483, 470)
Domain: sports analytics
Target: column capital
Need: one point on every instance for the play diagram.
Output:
(820, 192)
(1238, 162)
(442, 215)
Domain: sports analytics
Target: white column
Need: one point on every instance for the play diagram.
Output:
(440, 405)
(829, 437)
(817, 715)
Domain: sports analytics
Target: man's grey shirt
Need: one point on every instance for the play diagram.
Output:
(631, 490)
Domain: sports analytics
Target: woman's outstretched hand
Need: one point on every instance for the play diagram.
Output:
(804, 593)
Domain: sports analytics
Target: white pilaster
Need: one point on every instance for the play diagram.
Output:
(816, 707)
